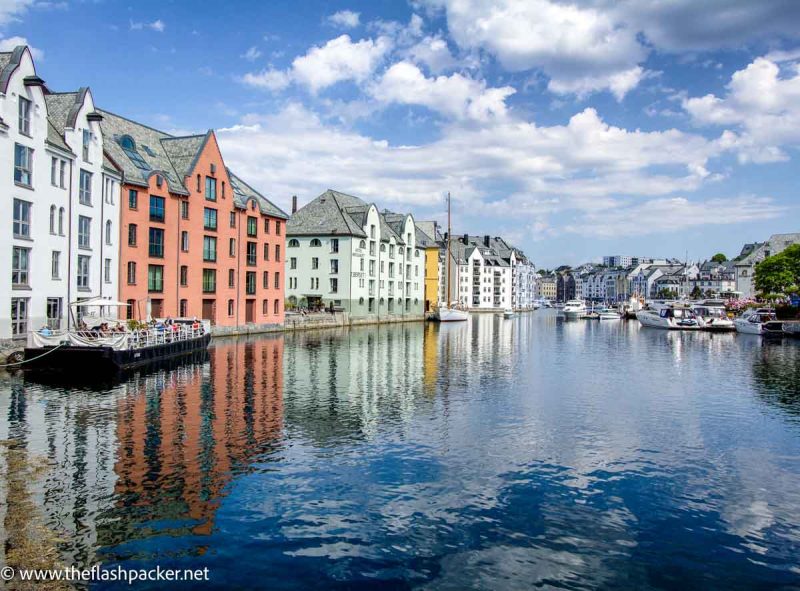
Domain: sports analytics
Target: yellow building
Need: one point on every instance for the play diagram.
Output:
(425, 240)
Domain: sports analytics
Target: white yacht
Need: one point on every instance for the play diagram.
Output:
(711, 315)
(669, 316)
(574, 309)
(753, 320)
(449, 312)
(608, 314)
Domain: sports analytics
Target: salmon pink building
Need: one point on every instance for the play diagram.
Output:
(196, 240)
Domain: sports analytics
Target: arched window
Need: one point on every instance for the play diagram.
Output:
(316, 242)
(383, 248)
(230, 307)
(108, 231)
(361, 301)
(61, 221)
(294, 243)
(362, 244)
(293, 300)
(265, 307)
(184, 309)
(277, 307)
(52, 219)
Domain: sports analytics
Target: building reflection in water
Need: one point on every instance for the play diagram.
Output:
(183, 435)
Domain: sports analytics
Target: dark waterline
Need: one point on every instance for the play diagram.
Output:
(494, 454)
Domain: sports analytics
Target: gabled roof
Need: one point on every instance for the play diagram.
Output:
(242, 193)
(184, 151)
(326, 215)
(423, 240)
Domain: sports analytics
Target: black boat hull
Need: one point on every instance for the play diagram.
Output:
(106, 360)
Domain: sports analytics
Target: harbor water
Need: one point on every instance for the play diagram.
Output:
(489, 454)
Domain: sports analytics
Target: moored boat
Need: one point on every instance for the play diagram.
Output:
(450, 311)
(508, 313)
(573, 309)
(669, 317)
(608, 314)
(711, 315)
(753, 321)
(450, 314)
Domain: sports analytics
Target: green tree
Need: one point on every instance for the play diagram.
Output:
(719, 258)
(779, 273)
(696, 293)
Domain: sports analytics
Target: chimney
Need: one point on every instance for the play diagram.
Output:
(466, 239)
(486, 240)
(294, 204)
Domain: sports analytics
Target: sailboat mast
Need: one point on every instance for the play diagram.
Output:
(449, 233)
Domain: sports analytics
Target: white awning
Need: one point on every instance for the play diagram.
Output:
(97, 301)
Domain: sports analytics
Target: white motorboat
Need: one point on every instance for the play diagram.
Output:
(669, 317)
(451, 314)
(711, 315)
(508, 313)
(608, 314)
(536, 304)
(753, 320)
(573, 309)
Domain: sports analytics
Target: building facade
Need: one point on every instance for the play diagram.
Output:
(197, 241)
(426, 237)
(345, 254)
(745, 264)
(63, 194)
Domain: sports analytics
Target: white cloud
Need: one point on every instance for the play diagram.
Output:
(455, 96)
(346, 19)
(581, 48)
(338, 60)
(252, 54)
(762, 104)
(157, 25)
(672, 214)
(13, 10)
(433, 52)
(9, 43)
(579, 166)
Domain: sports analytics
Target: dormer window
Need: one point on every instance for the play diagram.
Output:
(129, 147)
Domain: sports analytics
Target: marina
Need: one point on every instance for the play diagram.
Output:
(433, 455)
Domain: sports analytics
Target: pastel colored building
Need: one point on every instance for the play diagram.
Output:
(61, 198)
(426, 236)
(196, 240)
(345, 253)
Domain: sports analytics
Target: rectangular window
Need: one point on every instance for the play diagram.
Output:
(54, 307)
(132, 235)
(232, 247)
(131, 273)
(334, 245)
(83, 271)
(315, 263)
(84, 232)
(22, 219)
(20, 266)
(62, 175)
(23, 165)
(265, 282)
(334, 266)
(24, 116)
(107, 270)
(155, 278)
(209, 281)
(278, 252)
(133, 198)
(252, 226)
(184, 275)
(252, 253)
(156, 244)
(54, 171)
(185, 241)
(293, 263)
(277, 280)
(277, 228)
(209, 248)
(233, 219)
(334, 285)
(87, 139)
(250, 286)
(55, 265)
(157, 208)
(266, 251)
(19, 316)
(85, 188)
(209, 218)
(211, 188)
(184, 210)
(231, 278)
(266, 226)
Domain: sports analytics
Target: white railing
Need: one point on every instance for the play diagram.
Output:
(160, 336)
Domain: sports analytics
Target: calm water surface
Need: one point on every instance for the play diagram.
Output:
(494, 454)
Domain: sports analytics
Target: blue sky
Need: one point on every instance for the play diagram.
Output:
(575, 129)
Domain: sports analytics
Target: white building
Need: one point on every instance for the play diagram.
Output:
(62, 244)
(344, 252)
(485, 278)
(752, 254)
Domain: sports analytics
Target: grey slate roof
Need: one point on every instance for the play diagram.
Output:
(423, 240)
(242, 192)
(327, 215)
(184, 151)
